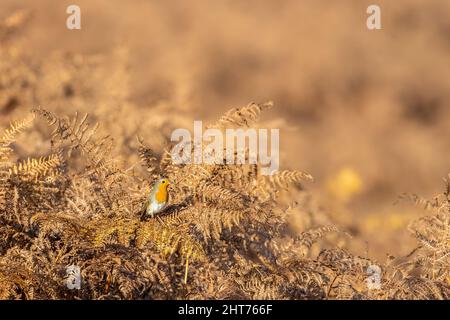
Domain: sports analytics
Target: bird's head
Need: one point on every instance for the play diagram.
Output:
(161, 185)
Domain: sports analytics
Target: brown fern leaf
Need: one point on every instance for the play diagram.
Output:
(268, 187)
(242, 117)
(210, 221)
(9, 136)
(34, 168)
(14, 282)
(109, 231)
(417, 200)
(80, 136)
(15, 128)
(67, 225)
(207, 192)
(168, 240)
(343, 262)
(306, 239)
(149, 159)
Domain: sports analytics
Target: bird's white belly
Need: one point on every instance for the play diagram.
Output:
(156, 207)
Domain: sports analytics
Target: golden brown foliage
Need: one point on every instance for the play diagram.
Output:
(224, 234)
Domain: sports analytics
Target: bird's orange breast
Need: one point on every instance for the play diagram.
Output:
(161, 194)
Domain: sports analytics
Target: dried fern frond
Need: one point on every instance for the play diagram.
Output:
(284, 178)
(417, 200)
(207, 192)
(34, 168)
(109, 231)
(15, 128)
(149, 158)
(306, 239)
(9, 136)
(167, 239)
(268, 187)
(14, 282)
(420, 289)
(66, 225)
(259, 287)
(80, 135)
(211, 221)
(344, 262)
(242, 117)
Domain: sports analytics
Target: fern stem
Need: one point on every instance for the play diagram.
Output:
(186, 270)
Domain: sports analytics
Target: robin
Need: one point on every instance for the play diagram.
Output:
(158, 198)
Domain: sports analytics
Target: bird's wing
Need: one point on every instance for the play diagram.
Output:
(147, 202)
(144, 207)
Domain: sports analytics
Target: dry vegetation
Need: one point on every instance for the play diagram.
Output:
(76, 199)
(225, 235)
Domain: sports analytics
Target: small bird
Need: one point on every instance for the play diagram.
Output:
(158, 199)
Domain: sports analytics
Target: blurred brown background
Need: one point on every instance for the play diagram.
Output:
(365, 112)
